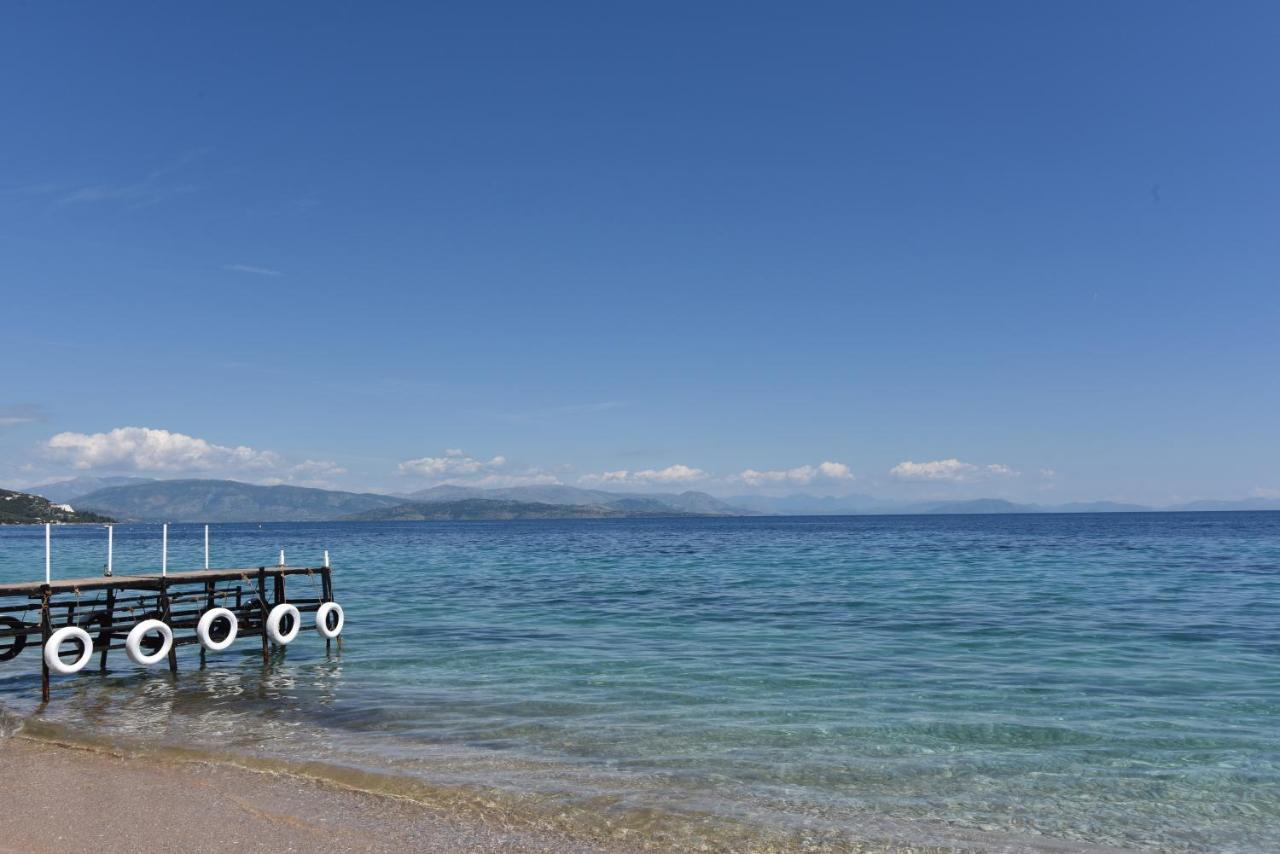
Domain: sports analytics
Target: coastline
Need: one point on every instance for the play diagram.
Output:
(61, 796)
(66, 794)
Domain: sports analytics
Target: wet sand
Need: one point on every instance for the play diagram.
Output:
(58, 798)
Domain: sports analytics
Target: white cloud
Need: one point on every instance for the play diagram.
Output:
(671, 474)
(150, 450)
(252, 270)
(454, 463)
(457, 467)
(1265, 492)
(949, 470)
(147, 449)
(798, 476)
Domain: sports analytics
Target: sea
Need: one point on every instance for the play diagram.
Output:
(1012, 682)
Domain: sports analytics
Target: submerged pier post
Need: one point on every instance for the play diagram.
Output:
(326, 593)
(45, 631)
(208, 606)
(262, 606)
(279, 594)
(104, 636)
(168, 618)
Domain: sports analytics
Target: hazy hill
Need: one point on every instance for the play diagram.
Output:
(142, 499)
(801, 504)
(67, 491)
(21, 508)
(1099, 507)
(976, 505)
(683, 502)
(1242, 504)
(477, 509)
(229, 501)
(444, 492)
(860, 505)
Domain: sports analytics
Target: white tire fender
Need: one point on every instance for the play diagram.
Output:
(277, 615)
(133, 643)
(204, 629)
(322, 619)
(54, 644)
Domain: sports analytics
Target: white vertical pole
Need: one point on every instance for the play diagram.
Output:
(164, 553)
(48, 561)
(326, 558)
(206, 546)
(111, 536)
(282, 557)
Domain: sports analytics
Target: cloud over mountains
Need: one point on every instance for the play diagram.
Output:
(949, 470)
(157, 451)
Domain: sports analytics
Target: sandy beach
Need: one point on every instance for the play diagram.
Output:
(63, 798)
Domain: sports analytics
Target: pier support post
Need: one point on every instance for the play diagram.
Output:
(104, 636)
(326, 594)
(262, 606)
(166, 616)
(208, 603)
(45, 631)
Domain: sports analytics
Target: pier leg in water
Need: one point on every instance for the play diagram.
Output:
(326, 595)
(44, 639)
(104, 636)
(164, 615)
(262, 606)
(208, 605)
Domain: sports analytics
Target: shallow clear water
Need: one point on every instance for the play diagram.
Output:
(1109, 679)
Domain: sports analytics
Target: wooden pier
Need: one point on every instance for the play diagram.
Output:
(110, 608)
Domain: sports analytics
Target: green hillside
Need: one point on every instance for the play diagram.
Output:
(21, 508)
(228, 501)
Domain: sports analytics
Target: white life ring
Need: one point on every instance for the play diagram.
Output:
(204, 629)
(322, 619)
(54, 644)
(277, 615)
(133, 643)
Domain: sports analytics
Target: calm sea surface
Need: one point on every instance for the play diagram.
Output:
(980, 680)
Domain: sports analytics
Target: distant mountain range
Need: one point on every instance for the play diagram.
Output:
(66, 491)
(641, 502)
(228, 501)
(232, 501)
(474, 509)
(858, 505)
(142, 499)
(22, 508)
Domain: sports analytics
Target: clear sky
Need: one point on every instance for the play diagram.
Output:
(1011, 249)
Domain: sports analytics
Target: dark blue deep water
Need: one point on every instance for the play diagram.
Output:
(1099, 679)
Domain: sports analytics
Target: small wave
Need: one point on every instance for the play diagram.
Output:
(10, 724)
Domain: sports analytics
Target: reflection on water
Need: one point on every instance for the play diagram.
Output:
(967, 681)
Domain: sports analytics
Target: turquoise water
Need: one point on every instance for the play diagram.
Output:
(997, 680)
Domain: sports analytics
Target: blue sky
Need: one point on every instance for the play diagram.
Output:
(1030, 251)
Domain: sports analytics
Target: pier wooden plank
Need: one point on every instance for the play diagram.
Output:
(149, 581)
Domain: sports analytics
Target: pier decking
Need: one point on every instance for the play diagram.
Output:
(146, 581)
